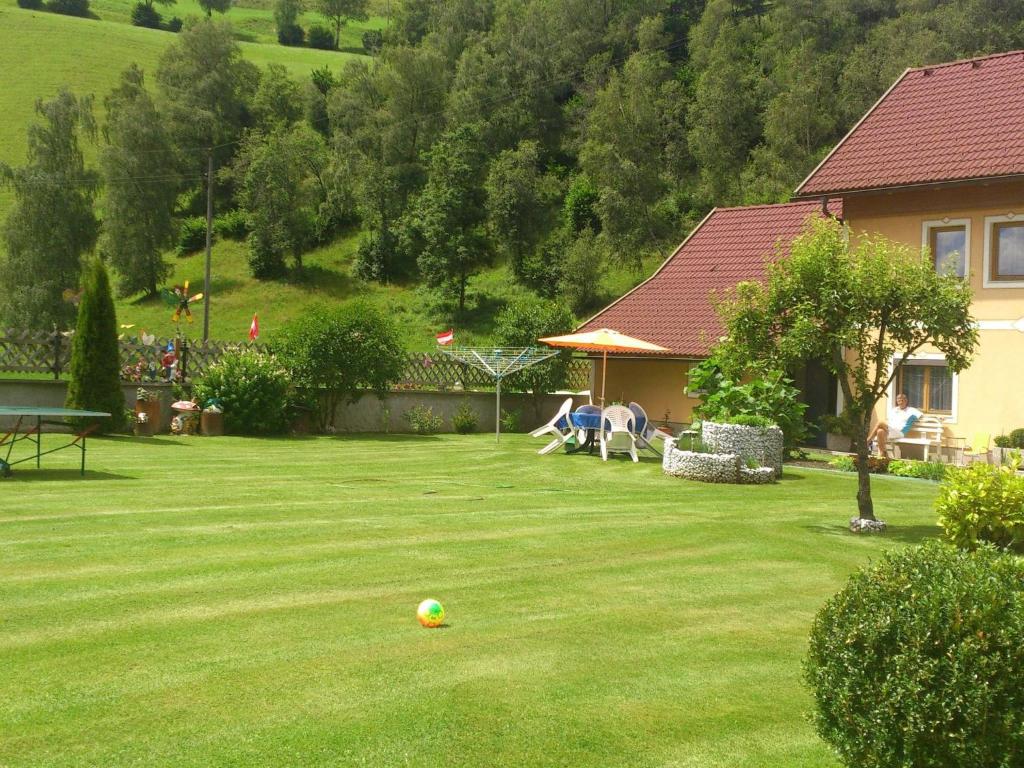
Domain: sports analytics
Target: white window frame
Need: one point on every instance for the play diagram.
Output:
(928, 226)
(945, 418)
(986, 282)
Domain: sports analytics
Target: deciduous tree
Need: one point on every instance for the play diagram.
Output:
(339, 12)
(859, 310)
(51, 224)
(140, 186)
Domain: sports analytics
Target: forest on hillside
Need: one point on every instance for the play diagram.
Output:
(559, 137)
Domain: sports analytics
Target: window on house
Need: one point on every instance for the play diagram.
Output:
(928, 385)
(1006, 261)
(948, 246)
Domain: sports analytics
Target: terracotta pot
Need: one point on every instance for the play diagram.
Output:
(143, 429)
(152, 410)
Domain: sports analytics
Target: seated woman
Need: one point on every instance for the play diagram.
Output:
(901, 419)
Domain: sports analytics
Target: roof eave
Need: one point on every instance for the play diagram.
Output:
(914, 185)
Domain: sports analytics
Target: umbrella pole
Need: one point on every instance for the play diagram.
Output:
(604, 371)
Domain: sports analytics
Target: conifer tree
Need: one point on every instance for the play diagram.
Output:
(95, 358)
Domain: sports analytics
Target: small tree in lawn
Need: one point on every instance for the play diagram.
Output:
(338, 353)
(520, 324)
(857, 311)
(95, 357)
(339, 12)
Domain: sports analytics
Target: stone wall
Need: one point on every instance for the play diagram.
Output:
(368, 414)
(760, 444)
(713, 467)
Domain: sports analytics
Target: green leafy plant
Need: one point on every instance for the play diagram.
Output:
(750, 420)
(422, 420)
(1017, 438)
(916, 661)
(925, 470)
(255, 390)
(983, 503)
(510, 420)
(771, 396)
(1002, 441)
(465, 420)
(843, 463)
(341, 352)
(191, 236)
(231, 225)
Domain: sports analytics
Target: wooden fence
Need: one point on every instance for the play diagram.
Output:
(49, 353)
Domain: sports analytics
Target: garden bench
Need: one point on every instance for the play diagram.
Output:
(926, 432)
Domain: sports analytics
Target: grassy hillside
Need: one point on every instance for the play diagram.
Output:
(327, 278)
(40, 52)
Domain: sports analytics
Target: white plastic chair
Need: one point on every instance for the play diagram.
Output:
(617, 425)
(650, 432)
(561, 433)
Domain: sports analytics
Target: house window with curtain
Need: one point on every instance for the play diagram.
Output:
(928, 385)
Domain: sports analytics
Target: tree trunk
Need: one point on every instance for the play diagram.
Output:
(865, 508)
(337, 33)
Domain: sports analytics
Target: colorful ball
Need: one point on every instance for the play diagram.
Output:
(430, 613)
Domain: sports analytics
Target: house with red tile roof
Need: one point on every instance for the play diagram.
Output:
(936, 163)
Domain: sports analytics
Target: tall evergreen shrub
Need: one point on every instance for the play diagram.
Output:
(95, 358)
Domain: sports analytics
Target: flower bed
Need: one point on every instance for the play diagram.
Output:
(760, 444)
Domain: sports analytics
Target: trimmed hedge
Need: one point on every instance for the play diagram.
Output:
(919, 661)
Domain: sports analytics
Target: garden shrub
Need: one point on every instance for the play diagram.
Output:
(925, 470)
(191, 235)
(320, 37)
(465, 420)
(917, 661)
(144, 15)
(983, 503)
(1017, 438)
(843, 463)
(175, 25)
(32, 5)
(749, 420)
(422, 420)
(254, 389)
(770, 395)
(511, 421)
(231, 225)
(291, 34)
(1002, 441)
(339, 352)
(69, 7)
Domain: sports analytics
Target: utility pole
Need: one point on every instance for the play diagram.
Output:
(209, 243)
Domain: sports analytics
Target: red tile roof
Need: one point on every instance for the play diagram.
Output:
(949, 122)
(673, 307)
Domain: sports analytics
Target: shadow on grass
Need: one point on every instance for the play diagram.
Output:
(139, 440)
(905, 534)
(316, 277)
(41, 475)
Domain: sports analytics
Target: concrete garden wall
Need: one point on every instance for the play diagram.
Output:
(368, 414)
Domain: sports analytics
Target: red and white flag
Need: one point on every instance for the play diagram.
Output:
(446, 337)
(254, 328)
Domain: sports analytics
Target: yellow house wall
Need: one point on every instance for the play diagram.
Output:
(987, 395)
(656, 384)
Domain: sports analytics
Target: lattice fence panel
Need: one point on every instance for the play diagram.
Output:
(32, 352)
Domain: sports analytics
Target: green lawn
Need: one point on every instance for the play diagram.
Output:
(239, 602)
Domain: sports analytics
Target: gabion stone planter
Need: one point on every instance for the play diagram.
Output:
(760, 444)
(712, 467)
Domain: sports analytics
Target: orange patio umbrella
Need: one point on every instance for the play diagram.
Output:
(603, 340)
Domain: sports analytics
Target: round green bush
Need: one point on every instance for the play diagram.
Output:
(919, 661)
(230, 225)
(191, 235)
(1017, 438)
(144, 15)
(320, 37)
(253, 388)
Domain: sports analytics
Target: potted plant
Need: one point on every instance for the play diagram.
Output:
(666, 426)
(1003, 445)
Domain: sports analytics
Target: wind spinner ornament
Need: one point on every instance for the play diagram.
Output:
(179, 299)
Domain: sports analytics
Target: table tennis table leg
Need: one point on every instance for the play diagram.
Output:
(39, 439)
